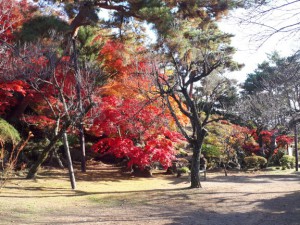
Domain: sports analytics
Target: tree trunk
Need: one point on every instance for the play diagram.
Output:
(43, 156)
(225, 169)
(197, 145)
(195, 177)
(296, 147)
(272, 148)
(82, 147)
(78, 94)
(58, 160)
(70, 165)
(55, 154)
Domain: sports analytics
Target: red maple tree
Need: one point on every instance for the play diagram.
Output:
(132, 129)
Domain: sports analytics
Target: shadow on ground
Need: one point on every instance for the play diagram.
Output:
(283, 210)
(255, 178)
(238, 199)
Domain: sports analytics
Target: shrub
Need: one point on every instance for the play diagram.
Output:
(210, 151)
(182, 170)
(275, 158)
(287, 162)
(255, 161)
(262, 161)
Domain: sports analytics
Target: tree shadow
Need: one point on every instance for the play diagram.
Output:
(66, 192)
(181, 205)
(95, 172)
(265, 178)
(284, 210)
(237, 178)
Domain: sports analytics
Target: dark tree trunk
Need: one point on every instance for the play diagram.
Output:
(82, 147)
(197, 145)
(260, 139)
(195, 177)
(225, 169)
(43, 156)
(296, 148)
(272, 148)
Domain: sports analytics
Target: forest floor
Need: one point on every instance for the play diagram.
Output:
(106, 196)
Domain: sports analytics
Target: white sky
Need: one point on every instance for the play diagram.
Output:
(250, 52)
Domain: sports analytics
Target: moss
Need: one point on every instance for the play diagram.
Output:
(8, 133)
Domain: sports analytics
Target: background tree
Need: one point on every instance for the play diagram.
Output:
(270, 99)
(271, 93)
(37, 69)
(58, 101)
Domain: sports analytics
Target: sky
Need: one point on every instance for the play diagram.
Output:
(253, 52)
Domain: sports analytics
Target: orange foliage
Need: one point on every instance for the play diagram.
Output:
(11, 17)
(130, 70)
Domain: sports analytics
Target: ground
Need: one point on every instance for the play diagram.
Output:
(106, 196)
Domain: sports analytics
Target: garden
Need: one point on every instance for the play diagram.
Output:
(121, 112)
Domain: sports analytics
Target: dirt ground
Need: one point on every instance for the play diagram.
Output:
(106, 196)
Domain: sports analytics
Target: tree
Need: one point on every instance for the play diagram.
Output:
(142, 136)
(133, 123)
(199, 52)
(42, 60)
(10, 155)
(270, 99)
(12, 16)
(57, 95)
(51, 90)
(271, 96)
(162, 14)
(224, 143)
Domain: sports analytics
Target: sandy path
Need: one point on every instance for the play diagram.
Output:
(239, 199)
